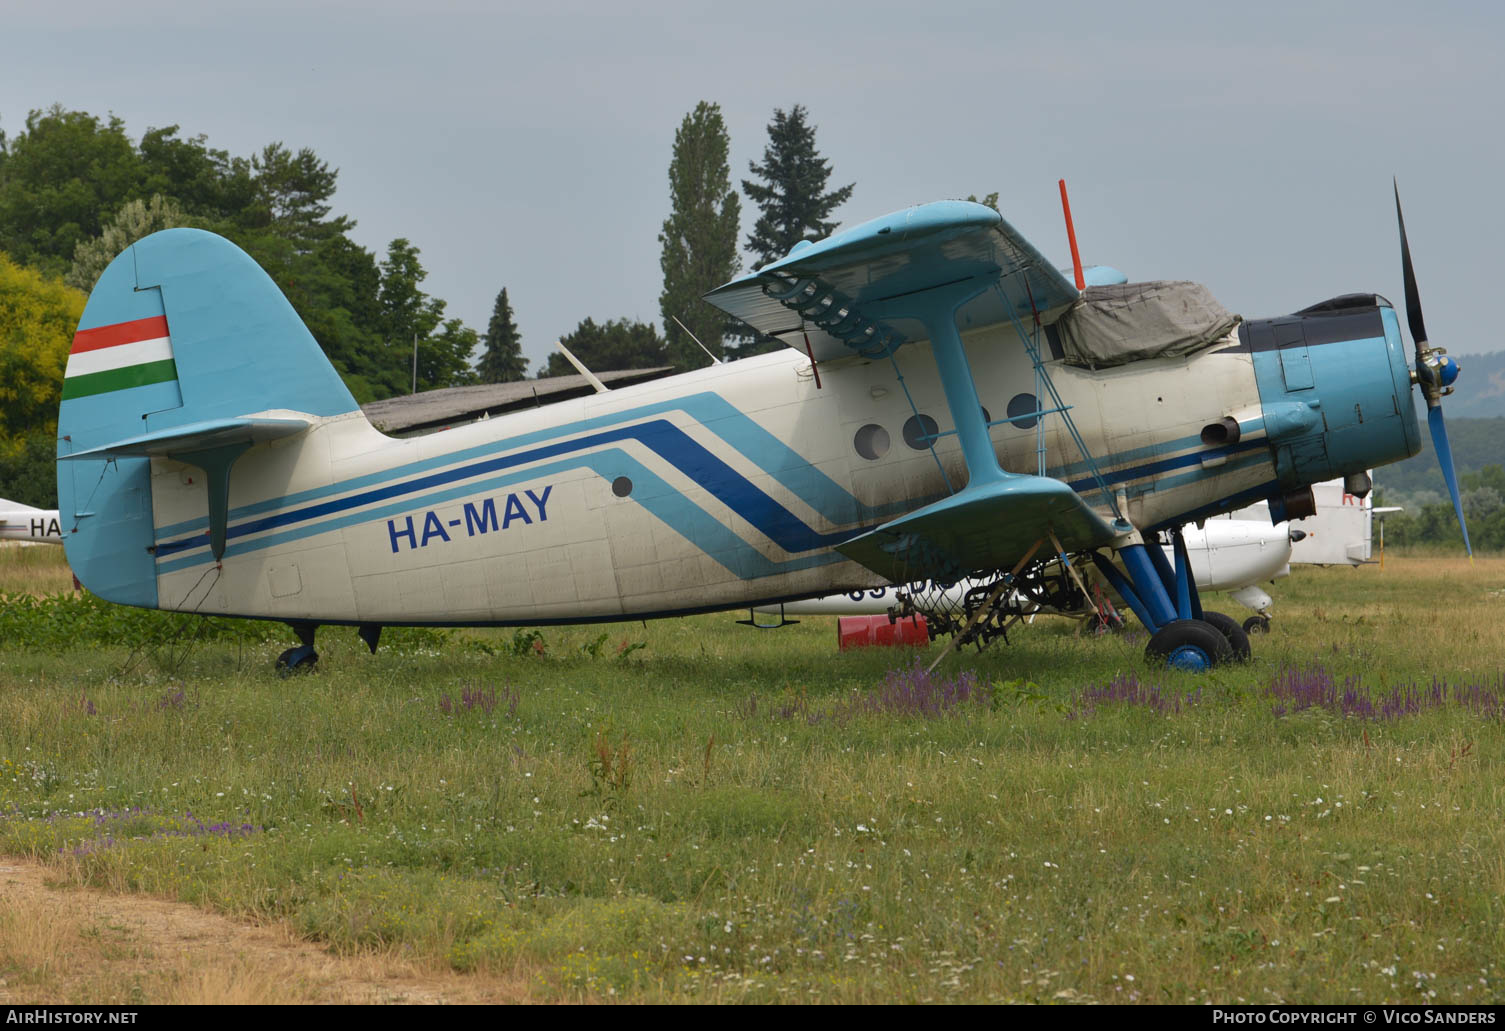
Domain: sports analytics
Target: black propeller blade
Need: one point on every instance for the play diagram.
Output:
(1408, 274)
(1435, 373)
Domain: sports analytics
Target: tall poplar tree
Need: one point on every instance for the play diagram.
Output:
(502, 361)
(792, 194)
(699, 237)
(793, 199)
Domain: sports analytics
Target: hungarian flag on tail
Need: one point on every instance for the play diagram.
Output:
(115, 357)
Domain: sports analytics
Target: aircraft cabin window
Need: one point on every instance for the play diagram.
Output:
(871, 442)
(1024, 404)
(920, 431)
(621, 486)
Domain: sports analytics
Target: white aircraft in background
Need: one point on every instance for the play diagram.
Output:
(1339, 532)
(1225, 555)
(20, 522)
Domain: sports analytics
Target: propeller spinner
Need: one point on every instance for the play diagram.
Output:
(1434, 373)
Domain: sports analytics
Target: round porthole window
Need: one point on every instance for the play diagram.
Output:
(621, 486)
(871, 442)
(920, 431)
(1024, 404)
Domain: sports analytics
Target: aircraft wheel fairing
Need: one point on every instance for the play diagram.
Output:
(301, 659)
(1257, 625)
(1238, 639)
(1188, 644)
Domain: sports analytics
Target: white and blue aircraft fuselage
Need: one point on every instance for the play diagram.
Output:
(212, 461)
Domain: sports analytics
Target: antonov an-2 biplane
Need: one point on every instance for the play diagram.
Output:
(950, 405)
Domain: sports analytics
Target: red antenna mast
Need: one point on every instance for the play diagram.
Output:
(1076, 258)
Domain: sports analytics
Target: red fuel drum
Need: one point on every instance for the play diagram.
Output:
(864, 631)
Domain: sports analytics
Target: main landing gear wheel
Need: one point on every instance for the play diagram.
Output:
(1257, 625)
(301, 659)
(1238, 640)
(1188, 644)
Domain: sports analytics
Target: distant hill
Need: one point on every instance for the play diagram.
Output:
(1475, 442)
(1480, 390)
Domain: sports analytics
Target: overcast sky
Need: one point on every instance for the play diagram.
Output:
(1248, 146)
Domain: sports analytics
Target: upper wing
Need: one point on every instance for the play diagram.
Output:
(845, 291)
(823, 288)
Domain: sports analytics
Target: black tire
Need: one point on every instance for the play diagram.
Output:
(1257, 625)
(301, 659)
(1188, 644)
(1238, 640)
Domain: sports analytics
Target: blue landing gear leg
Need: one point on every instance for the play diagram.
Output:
(1165, 599)
(303, 658)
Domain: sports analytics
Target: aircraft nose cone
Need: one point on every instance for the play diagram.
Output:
(1298, 535)
(1447, 372)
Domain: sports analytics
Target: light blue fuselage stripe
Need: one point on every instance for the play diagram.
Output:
(731, 551)
(678, 512)
(752, 441)
(710, 410)
(661, 436)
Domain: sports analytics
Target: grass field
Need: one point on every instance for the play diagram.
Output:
(695, 811)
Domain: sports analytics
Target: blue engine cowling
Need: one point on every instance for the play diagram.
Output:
(1335, 384)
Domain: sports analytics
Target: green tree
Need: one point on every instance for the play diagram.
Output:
(204, 182)
(294, 190)
(405, 314)
(699, 238)
(444, 359)
(134, 220)
(792, 194)
(610, 346)
(72, 179)
(38, 316)
(62, 177)
(502, 361)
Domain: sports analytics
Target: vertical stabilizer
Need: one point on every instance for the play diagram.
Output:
(183, 328)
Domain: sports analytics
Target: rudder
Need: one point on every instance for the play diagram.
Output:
(183, 337)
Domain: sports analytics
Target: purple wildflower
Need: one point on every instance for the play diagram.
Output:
(1294, 690)
(482, 698)
(1127, 689)
(904, 692)
(123, 826)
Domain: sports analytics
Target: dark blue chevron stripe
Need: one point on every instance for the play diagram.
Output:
(665, 439)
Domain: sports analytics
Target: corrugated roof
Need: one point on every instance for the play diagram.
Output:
(436, 409)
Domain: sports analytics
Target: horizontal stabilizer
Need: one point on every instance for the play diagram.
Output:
(987, 527)
(194, 437)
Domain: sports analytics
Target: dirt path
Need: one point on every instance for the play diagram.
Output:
(63, 944)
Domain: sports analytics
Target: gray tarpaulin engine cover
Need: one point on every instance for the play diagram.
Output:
(1114, 325)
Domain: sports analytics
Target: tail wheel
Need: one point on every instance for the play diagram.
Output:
(1238, 639)
(301, 659)
(1188, 644)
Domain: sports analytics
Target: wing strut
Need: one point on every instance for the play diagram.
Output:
(1042, 375)
(986, 608)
